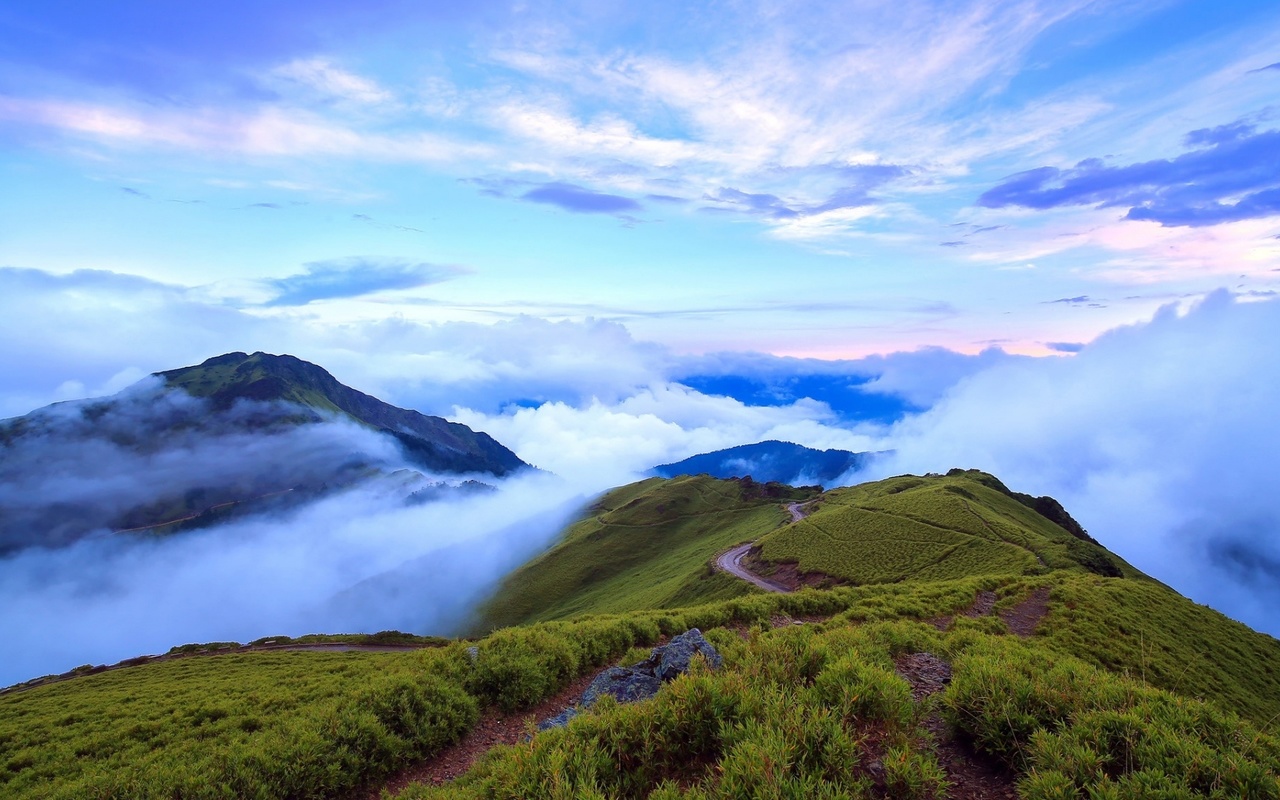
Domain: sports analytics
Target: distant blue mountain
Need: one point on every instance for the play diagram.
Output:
(783, 462)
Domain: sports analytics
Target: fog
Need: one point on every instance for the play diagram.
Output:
(352, 554)
(1160, 438)
(82, 466)
(108, 598)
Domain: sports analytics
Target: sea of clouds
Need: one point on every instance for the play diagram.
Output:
(1158, 436)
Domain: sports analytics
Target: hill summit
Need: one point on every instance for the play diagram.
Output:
(237, 435)
(431, 442)
(768, 461)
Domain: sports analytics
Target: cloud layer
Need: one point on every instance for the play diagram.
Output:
(1158, 437)
(1234, 174)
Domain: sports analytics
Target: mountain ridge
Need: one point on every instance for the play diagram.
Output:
(432, 442)
(769, 461)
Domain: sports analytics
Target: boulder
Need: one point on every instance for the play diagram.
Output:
(625, 683)
(675, 657)
(643, 680)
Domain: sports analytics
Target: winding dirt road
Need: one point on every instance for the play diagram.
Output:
(731, 562)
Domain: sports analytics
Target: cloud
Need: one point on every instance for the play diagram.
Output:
(1065, 347)
(354, 277)
(855, 184)
(1268, 67)
(80, 467)
(322, 76)
(1233, 174)
(358, 561)
(579, 200)
(1078, 300)
(1158, 437)
(269, 131)
(665, 422)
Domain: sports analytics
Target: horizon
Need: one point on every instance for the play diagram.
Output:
(1038, 239)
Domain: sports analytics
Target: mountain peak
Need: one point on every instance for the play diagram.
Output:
(431, 442)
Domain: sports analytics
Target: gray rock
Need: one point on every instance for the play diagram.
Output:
(675, 657)
(473, 653)
(643, 680)
(559, 720)
(624, 683)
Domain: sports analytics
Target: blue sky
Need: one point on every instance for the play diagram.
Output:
(1038, 237)
(778, 177)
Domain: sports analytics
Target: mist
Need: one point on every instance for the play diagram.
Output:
(354, 548)
(1160, 438)
(104, 599)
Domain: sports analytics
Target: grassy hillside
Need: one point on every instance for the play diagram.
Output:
(933, 528)
(1067, 672)
(809, 707)
(647, 545)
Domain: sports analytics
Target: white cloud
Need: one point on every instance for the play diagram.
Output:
(321, 75)
(1160, 438)
(612, 443)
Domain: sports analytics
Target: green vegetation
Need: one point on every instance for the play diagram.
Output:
(1126, 689)
(647, 545)
(433, 442)
(933, 528)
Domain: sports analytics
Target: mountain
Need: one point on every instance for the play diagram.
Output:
(646, 545)
(237, 435)
(916, 637)
(433, 443)
(783, 462)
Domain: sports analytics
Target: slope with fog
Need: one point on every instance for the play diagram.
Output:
(971, 642)
(237, 435)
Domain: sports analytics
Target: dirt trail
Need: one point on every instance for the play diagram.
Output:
(1023, 618)
(969, 775)
(731, 562)
(492, 730)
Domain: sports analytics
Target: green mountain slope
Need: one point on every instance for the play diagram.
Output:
(933, 528)
(643, 546)
(432, 442)
(1078, 677)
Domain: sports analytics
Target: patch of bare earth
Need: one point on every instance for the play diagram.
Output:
(981, 607)
(492, 730)
(786, 575)
(970, 775)
(1023, 618)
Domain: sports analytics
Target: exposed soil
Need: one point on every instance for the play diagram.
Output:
(785, 575)
(493, 729)
(1023, 618)
(971, 776)
(981, 607)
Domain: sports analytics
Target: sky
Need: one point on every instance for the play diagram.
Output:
(1039, 238)
(778, 177)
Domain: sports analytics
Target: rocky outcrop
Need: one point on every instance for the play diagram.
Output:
(642, 680)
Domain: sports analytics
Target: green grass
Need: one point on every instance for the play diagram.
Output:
(818, 712)
(1128, 689)
(931, 528)
(647, 545)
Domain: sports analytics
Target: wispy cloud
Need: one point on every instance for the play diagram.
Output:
(322, 76)
(580, 200)
(1233, 174)
(354, 277)
(264, 131)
